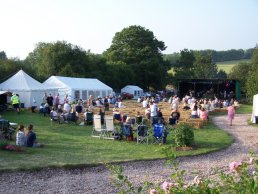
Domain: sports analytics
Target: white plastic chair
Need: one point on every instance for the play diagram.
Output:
(97, 130)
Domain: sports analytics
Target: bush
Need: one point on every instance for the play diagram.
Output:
(183, 135)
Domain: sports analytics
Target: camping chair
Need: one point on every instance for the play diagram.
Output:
(126, 131)
(156, 120)
(97, 130)
(142, 134)
(88, 120)
(109, 131)
(159, 133)
(71, 117)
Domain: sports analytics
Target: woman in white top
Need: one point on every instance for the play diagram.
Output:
(21, 137)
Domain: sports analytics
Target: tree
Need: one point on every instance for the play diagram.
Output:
(184, 65)
(203, 67)
(3, 55)
(59, 58)
(222, 74)
(137, 48)
(240, 72)
(252, 80)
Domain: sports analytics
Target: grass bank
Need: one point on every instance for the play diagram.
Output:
(72, 145)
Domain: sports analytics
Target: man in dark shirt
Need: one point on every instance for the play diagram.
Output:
(50, 101)
(31, 137)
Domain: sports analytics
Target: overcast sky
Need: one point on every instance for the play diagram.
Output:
(91, 24)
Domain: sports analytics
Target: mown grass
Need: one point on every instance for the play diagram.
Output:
(72, 145)
(228, 65)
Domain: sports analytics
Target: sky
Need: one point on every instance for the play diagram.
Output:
(92, 24)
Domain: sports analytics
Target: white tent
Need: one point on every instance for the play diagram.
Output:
(255, 109)
(77, 88)
(134, 90)
(30, 91)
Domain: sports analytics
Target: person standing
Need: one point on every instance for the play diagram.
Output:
(57, 100)
(44, 98)
(50, 101)
(153, 111)
(231, 113)
(15, 102)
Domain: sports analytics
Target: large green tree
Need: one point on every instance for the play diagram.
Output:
(136, 48)
(59, 58)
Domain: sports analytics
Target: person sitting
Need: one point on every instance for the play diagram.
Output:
(59, 109)
(194, 113)
(67, 107)
(106, 103)
(117, 115)
(46, 109)
(174, 117)
(99, 102)
(88, 117)
(120, 104)
(203, 114)
(31, 138)
(160, 115)
(42, 108)
(186, 107)
(20, 137)
(54, 115)
(78, 107)
(128, 123)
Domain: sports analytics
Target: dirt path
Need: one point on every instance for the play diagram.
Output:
(96, 179)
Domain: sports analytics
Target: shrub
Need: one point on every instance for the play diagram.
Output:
(183, 135)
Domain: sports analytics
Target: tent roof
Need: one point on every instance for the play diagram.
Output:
(75, 83)
(5, 92)
(132, 87)
(21, 81)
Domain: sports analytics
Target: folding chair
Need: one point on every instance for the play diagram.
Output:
(156, 120)
(139, 120)
(142, 134)
(109, 132)
(159, 133)
(88, 120)
(126, 130)
(97, 130)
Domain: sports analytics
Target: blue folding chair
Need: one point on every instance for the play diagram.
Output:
(159, 133)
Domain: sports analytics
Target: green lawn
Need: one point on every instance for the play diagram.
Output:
(228, 65)
(72, 145)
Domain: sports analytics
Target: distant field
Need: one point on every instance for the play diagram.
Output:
(225, 65)
(228, 65)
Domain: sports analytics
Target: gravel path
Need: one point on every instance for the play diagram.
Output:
(96, 179)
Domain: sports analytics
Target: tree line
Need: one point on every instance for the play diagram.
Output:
(134, 57)
(216, 56)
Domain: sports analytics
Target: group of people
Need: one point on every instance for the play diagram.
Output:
(27, 138)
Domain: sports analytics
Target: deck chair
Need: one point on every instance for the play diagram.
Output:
(88, 120)
(159, 133)
(142, 134)
(97, 130)
(109, 132)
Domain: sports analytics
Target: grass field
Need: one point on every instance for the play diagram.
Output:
(228, 65)
(69, 145)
